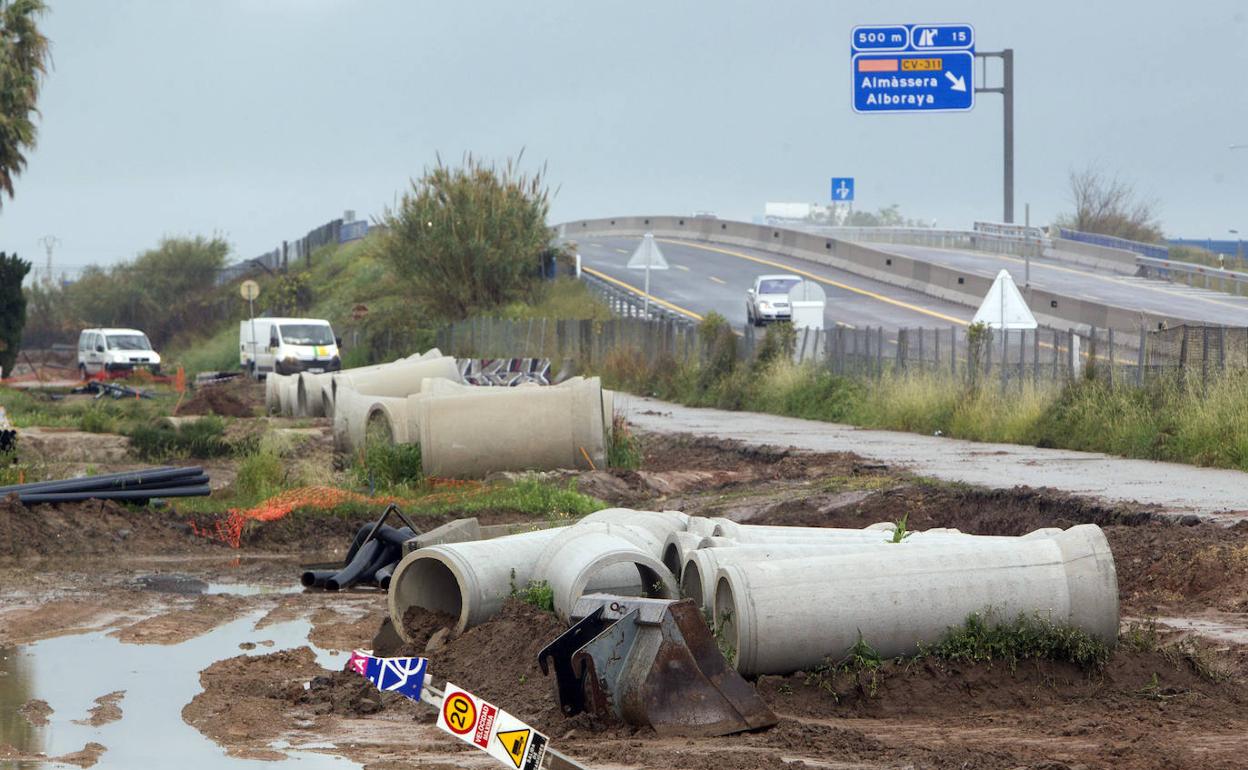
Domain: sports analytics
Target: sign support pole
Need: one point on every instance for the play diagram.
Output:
(1007, 97)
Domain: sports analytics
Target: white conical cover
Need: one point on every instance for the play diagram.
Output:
(647, 252)
(1004, 307)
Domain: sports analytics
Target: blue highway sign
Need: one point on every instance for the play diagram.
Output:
(913, 68)
(842, 188)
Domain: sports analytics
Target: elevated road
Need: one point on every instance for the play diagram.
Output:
(705, 277)
(1091, 284)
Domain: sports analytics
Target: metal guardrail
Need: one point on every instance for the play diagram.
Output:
(1164, 267)
(629, 304)
(1150, 250)
(966, 240)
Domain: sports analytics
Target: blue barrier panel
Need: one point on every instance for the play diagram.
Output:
(1153, 250)
(1226, 247)
(353, 231)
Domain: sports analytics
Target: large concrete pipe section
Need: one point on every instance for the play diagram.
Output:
(511, 429)
(468, 581)
(308, 393)
(612, 558)
(288, 395)
(355, 414)
(700, 566)
(784, 616)
(273, 393)
(660, 524)
(399, 379)
(677, 548)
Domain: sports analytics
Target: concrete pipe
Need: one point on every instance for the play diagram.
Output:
(676, 549)
(700, 525)
(783, 616)
(511, 429)
(701, 565)
(603, 558)
(288, 395)
(387, 421)
(399, 379)
(468, 581)
(308, 393)
(660, 524)
(327, 398)
(356, 413)
(272, 393)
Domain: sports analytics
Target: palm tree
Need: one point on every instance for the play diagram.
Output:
(24, 60)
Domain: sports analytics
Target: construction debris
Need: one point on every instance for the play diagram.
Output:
(101, 388)
(130, 486)
(505, 372)
(779, 599)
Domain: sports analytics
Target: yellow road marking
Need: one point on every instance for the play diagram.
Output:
(680, 267)
(820, 279)
(630, 287)
(717, 280)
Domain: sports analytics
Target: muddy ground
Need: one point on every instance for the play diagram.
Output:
(1175, 695)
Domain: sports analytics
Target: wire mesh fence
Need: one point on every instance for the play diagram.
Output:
(1010, 357)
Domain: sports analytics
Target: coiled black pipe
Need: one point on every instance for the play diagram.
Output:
(351, 574)
(360, 536)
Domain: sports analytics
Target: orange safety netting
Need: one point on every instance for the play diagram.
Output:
(229, 530)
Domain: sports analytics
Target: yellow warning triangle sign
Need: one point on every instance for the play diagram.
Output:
(514, 743)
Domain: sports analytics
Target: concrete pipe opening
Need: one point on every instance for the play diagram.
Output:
(726, 619)
(626, 577)
(379, 431)
(327, 399)
(692, 581)
(427, 582)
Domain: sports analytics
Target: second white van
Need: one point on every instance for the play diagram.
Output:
(287, 346)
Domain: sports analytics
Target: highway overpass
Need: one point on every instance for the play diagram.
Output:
(882, 284)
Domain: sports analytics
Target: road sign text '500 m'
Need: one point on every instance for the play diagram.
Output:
(913, 68)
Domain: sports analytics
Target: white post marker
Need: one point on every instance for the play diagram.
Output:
(250, 290)
(1004, 307)
(647, 257)
(491, 729)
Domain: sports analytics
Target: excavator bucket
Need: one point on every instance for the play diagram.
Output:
(650, 662)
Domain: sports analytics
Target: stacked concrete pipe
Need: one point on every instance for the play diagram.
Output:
(471, 580)
(472, 434)
(785, 615)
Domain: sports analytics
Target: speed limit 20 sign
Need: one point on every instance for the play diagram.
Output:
(491, 729)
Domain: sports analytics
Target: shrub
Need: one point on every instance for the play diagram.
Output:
(625, 449)
(468, 239)
(984, 639)
(260, 474)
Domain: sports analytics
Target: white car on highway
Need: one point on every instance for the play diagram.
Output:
(768, 299)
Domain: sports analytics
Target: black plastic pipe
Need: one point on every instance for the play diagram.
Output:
(201, 490)
(96, 481)
(315, 578)
(351, 574)
(382, 576)
(360, 535)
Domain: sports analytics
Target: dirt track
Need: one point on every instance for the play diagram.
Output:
(270, 688)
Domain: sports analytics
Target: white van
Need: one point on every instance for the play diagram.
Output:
(287, 346)
(115, 350)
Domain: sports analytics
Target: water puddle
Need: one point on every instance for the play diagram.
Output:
(187, 585)
(1230, 630)
(70, 672)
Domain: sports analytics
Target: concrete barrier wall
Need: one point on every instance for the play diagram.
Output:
(1119, 260)
(876, 262)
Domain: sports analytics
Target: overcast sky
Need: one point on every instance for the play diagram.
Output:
(260, 119)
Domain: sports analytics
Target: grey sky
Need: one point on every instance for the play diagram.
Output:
(259, 119)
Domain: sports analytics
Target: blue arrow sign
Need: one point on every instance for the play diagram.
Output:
(933, 71)
(842, 188)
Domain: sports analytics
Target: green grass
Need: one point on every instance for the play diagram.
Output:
(104, 415)
(384, 466)
(160, 441)
(1169, 419)
(537, 593)
(624, 450)
(216, 353)
(983, 639)
(565, 298)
